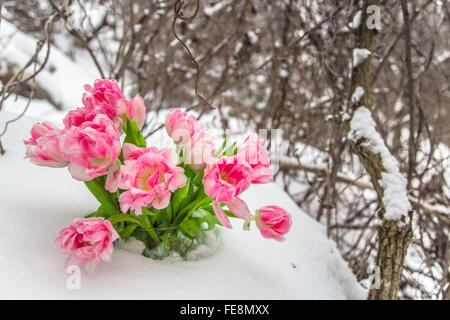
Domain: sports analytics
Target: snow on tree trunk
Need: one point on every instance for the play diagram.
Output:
(395, 199)
(394, 233)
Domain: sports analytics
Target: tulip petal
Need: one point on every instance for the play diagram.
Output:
(221, 215)
(239, 208)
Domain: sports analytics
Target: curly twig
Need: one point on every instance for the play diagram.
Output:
(179, 15)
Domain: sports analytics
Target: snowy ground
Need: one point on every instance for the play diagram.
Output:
(37, 202)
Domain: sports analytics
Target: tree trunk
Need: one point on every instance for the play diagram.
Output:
(393, 238)
(447, 293)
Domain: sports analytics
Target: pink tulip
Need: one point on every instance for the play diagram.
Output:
(198, 151)
(181, 126)
(91, 148)
(43, 148)
(104, 92)
(254, 153)
(136, 110)
(88, 239)
(129, 152)
(132, 152)
(77, 117)
(237, 206)
(221, 215)
(150, 176)
(226, 179)
(113, 177)
(273, 222)
(105, 97)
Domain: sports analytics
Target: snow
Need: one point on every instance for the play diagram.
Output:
(360, 55)
(252, 37)
(17, 48)
(395, 196)
(346, 116)
(211, 10)
(284, 73)
(37, 202)
(356, 20)
(357, 95)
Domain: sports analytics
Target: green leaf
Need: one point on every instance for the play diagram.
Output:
(188, 172)
(230, 151)
(91, 215)
(192, 204)
(145, 223)
(179, 195)
(124, 217)
(133, 134)
(102, 212)
(209, 217)
(199, 178)
(229, 213)
(169, 212)
(190, 227)
(212, 216)
(105, 198)
(222, 147)
(187, 211)
(153, 214)
(119, 227)
(141, 220)
(128, 231)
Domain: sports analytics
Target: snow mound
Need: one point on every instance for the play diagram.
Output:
(37, 202)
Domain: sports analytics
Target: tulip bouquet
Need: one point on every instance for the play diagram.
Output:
(166, 198)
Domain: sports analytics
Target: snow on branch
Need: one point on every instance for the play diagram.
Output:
(357, 95)
(395, 197)
(356, 20)
(360, 55)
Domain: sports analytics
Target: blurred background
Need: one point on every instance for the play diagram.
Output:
(263, 64)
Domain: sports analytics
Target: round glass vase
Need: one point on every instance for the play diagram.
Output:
(176, 243)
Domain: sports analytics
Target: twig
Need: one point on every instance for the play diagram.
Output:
(20, 115)
(1, 6)
(179, 15)
(410, 90)
(360, 184)
(5, 93)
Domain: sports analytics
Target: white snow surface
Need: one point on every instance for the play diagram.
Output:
(38, 201)
(395, 197)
